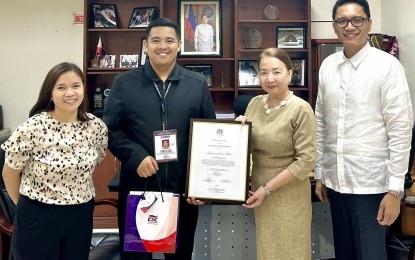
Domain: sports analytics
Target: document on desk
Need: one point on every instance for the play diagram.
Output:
(218, 163)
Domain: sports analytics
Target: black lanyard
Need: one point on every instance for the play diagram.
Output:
(163, 103)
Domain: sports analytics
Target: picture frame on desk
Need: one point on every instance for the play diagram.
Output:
(291, 37)
(104, 16)
(142, 17)
(129, 60)
(205, 70)
(143, 56)
(201, 28)
(248, 74)
(298, 76)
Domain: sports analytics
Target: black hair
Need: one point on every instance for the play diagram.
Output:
(44, 102)
(362, 3)
(165, 22)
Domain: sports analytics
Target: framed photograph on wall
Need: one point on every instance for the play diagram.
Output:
(201, 28)
(248, 75)
(142, 17)
(143, 56)
(104, 16)
(291, 37)
(205, 70)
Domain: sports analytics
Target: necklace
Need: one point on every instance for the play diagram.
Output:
(282, 104)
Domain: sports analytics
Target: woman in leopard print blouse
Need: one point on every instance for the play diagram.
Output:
(48, 170)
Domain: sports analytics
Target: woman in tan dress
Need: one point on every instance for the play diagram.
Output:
(283, 153)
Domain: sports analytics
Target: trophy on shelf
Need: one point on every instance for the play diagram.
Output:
(222, 83)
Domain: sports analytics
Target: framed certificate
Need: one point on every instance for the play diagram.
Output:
(218, 165)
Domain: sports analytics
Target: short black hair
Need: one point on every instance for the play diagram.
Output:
(362, 3)
(164, 22)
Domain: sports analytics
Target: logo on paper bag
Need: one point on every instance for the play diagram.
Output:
(152, 219)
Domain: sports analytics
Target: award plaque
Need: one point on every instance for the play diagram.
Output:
(297, 77)
(271, 12)
(252, 38)
(218, 166)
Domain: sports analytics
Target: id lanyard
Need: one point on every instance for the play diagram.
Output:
(163, 103)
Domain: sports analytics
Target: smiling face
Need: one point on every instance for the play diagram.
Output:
(67, 95)
(274, 77)
(353, 38)
(162, 46)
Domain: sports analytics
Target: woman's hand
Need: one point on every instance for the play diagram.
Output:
(255, 198)
(242, 119)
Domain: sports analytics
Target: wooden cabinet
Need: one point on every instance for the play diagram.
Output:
(238, 16)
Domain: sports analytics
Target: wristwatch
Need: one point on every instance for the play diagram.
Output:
(397, 194)
(267, 191)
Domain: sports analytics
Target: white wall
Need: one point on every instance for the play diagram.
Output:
(397, 19)
(321, 20)
(35, 35)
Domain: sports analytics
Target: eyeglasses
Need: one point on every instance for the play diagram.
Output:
(356, 22)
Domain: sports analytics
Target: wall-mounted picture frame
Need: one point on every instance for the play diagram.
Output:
(142, 17)
(291, 37)
(201, 28)
(104, 16)
(143, 56)
(248, 74)
(204, 69)
(129, 60)
(298, 77)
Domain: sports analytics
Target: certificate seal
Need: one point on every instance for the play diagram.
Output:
(271, 12)
(252, 38)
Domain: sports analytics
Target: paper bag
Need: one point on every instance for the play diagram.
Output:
(154, 229)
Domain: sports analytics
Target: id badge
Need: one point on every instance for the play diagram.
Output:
(165, 145)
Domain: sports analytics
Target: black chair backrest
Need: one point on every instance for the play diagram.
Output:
(240, 103)
(6, 204)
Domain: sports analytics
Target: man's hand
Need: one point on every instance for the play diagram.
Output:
(321, 191)
(194, 201)
(389, 209)
(147, 167)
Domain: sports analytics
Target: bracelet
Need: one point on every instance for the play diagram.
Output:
(394, 193)
(267, 191)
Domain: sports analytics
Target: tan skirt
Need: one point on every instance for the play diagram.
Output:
(283, 220)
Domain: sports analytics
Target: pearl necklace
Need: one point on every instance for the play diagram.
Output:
(282, 104)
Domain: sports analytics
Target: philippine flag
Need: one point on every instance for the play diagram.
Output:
(189, 24)
(100, 52)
